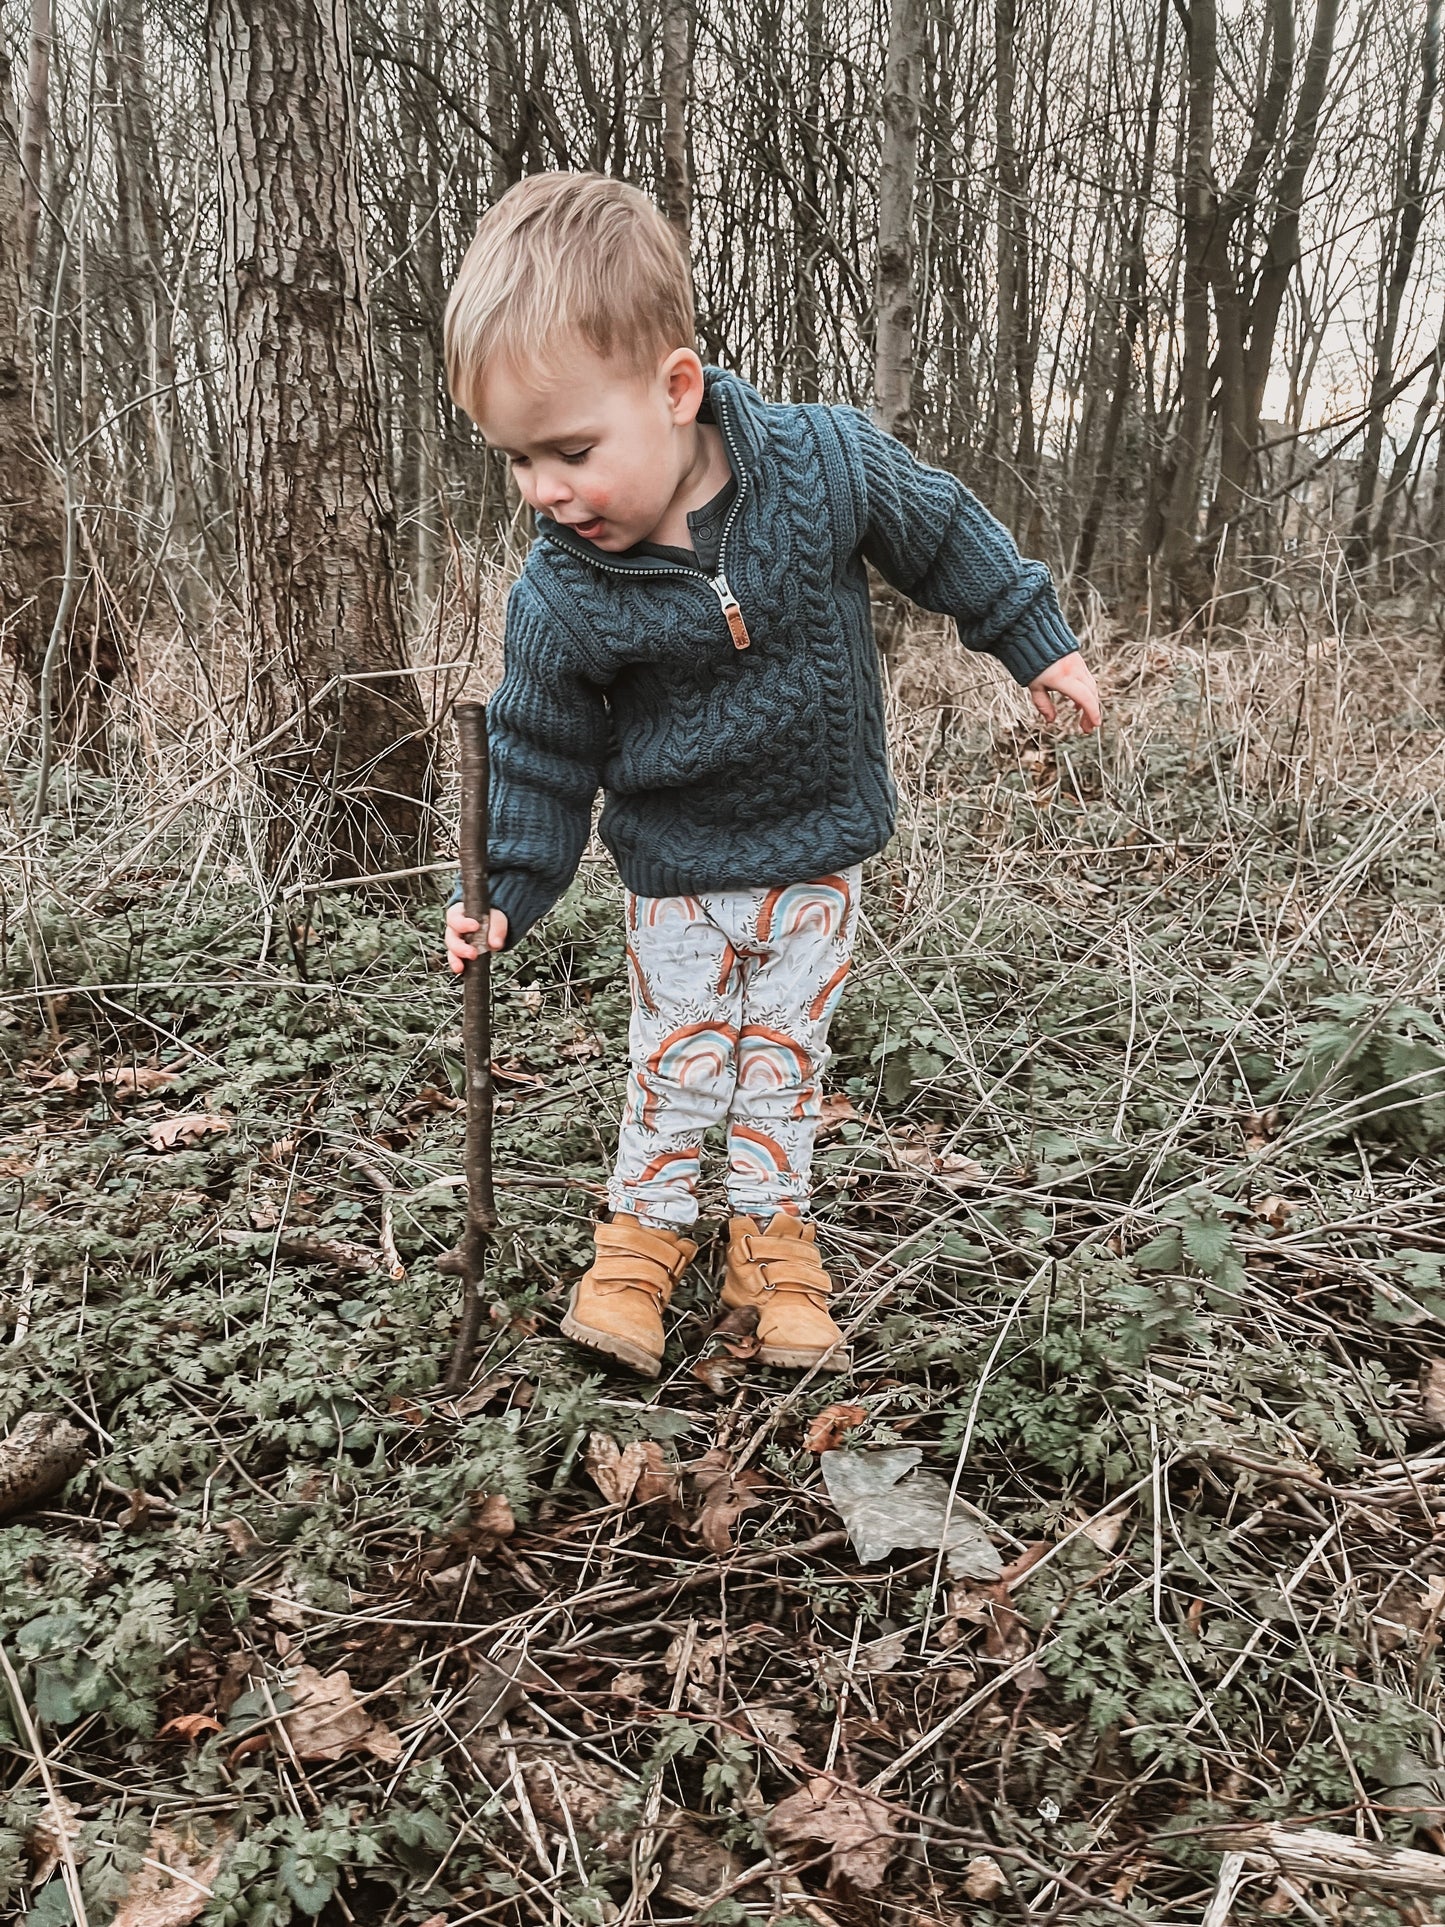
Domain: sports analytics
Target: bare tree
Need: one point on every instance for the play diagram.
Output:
(314, 511)
(897, 184)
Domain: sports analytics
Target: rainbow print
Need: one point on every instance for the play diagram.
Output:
(826, 1002)
(657, 911)
(770, 1060)
(822, 906)
(640, 988)
(695, 1056)
(753, 1154)
(670, 1166)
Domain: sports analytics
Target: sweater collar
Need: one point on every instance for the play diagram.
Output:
(735, 407)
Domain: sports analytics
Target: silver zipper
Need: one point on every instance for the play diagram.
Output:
(731, 608)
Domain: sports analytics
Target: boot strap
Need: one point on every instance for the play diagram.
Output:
(795, 1256)
(639, 1244)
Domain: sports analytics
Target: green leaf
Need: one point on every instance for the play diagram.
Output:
(1208, 1241)
(309, 1877)
(1164, 1253)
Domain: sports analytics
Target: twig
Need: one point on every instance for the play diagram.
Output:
(70, 1873)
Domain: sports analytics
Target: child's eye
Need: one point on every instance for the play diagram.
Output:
(575, 455)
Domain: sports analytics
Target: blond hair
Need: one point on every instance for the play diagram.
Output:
(561, 258)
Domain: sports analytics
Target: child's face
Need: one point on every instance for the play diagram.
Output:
(601, 449)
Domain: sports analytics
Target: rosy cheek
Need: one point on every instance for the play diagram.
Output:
(598, 496)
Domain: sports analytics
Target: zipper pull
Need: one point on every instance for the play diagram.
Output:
(732, 610)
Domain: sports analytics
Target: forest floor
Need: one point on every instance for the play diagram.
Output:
(1134, 1186)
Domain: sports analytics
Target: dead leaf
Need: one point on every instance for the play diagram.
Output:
(738, 1330)
(1432, 1394)
(67, 1082)
(1275, 1211)
(724, 1498)
(190, 1726)
(499, 1686)
(181, 1133)
(831, 1425)
(855, 1829)
(492, 1520)
(1104, 1533)
(326, 1720)
(172, 1886)
(718, 1373)
(584, 1044)
(777, 1724)
(127, 1079)
(627, 1686)
(56, 1821)
(983, 1878)
(613, 1470)
(835, 1111)
(1282, 1901)
(658, 1481)
(239, 1536)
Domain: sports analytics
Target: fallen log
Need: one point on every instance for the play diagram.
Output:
(1311, 1854)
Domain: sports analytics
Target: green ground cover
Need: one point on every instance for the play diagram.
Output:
(1133, 1187)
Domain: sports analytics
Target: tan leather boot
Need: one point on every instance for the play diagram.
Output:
(618, 1302)
(779, 1271)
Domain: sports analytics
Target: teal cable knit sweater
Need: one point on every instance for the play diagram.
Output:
(728, 767)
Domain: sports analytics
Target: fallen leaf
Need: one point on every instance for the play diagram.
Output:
(738, 1331)
(724, 1498)
(835, 1111)
(327, 1721)
(718, 1373)
(172, 1886)
(492, 1520)
(499, 1686)
(658, 1481)
(777, 1724)
(239, 1536)
(613, 1470)
(702, 1657)
(127, 1079)
(63, 1081)
(1275, 1211)
(584, 1044)
(831, 1425)
(886, 1503)
(56, 1821)
(1432, 1394)
(190, 1726)
(983, 1878)
(627, 1686)
(1104, 1533)
(855, 1829)
(181, 1133)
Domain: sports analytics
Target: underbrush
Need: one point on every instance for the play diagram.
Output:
(1131, 1187)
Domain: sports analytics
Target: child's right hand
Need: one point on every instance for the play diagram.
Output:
(460, 926)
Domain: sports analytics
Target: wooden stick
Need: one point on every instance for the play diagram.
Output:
(476, 1038)
(1307, 1853)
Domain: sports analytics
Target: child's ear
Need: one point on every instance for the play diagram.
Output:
(681, 375)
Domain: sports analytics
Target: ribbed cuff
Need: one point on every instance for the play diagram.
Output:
(1041, 636)
(522, 899)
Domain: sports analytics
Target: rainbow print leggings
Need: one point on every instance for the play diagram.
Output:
(732, 995)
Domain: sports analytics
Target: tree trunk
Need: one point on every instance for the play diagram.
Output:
(1409, 215)
(32, 507)
(35, 124)
(897, 182)
(1191, 433)
(677, 28)
(1135, 288)
(314, 520)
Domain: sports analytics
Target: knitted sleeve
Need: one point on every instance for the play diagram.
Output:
(547, 726)
(927, 535)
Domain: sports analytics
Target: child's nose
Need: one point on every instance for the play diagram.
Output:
(551, 488)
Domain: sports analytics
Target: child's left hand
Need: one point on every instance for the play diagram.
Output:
(1070, 676)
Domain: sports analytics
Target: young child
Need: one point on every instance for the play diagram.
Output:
(691, 635)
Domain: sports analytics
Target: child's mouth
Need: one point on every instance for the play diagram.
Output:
(589, 531)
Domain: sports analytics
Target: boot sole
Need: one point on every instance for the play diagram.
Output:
(622, 1349)
(839, 1358)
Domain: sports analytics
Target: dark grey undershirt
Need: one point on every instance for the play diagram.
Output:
(705, 525)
